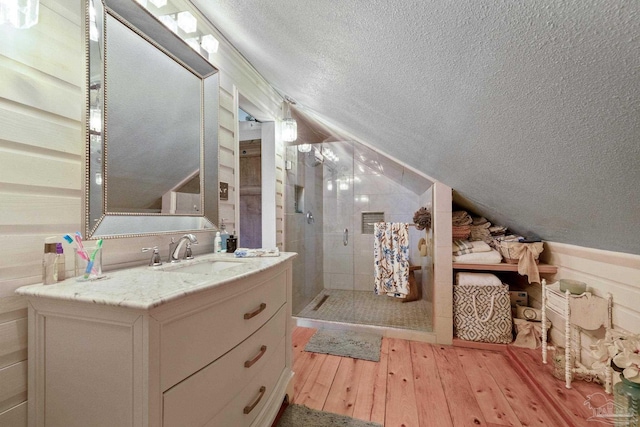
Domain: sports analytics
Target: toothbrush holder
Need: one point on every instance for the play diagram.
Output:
(82, 260)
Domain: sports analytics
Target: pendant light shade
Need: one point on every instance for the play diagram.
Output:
(289, 129)
(289, 125)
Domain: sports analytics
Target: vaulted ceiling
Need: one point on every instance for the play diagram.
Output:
(530, 110)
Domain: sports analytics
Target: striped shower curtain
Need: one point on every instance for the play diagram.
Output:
(391, 259)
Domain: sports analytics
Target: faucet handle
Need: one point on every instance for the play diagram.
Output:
(155, 256)
(187, 252)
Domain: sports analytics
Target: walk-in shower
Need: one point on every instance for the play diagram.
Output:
(341, 186)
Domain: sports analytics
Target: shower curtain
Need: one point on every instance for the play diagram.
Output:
(391, 259)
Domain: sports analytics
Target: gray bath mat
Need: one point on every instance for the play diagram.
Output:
(346, 343)
(301, 416)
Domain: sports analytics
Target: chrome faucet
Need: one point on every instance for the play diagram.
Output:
(174, 247)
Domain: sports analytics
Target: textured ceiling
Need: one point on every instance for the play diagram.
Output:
(530, 111)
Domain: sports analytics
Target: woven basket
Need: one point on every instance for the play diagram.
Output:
(508, 251)
(460, 232)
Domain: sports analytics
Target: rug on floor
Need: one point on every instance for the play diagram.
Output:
(301, 416)
(356, 345)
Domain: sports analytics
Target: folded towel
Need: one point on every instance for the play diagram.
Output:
(477, 279)
(480, 232)
(461, 218)
(497, 230)
(461, 247)
(491, 257)
(479, 220)
(250, 253)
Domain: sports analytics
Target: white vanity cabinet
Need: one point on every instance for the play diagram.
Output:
(218, 356)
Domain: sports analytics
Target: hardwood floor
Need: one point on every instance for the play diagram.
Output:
(419, 384)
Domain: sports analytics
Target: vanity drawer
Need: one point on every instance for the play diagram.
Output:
(252, 398)
(200, 397)
(189, 343)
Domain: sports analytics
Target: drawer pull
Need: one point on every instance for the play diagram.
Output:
(249, 408)
(249, 363)
(255, 312)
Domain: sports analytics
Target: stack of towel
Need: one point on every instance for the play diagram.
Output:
(477, 252)
(461, 225)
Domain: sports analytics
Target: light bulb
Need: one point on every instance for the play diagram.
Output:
(95, 120)
(19, 13)
(209, 43)
(159, 3)
(169, 22)
(187, 22)
(304, 148)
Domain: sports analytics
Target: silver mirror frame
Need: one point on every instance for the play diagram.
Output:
(98, 222)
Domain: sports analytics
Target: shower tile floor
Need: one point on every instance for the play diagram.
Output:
(367, 308)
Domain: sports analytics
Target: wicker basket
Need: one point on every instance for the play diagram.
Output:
(508, 250)
(460, 232)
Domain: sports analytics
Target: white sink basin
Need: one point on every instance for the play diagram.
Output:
(203, 267)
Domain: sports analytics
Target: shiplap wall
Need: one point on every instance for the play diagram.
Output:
(603, 272)
(40, 170)
(41, 148)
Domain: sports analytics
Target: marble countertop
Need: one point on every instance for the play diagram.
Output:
(147, 287)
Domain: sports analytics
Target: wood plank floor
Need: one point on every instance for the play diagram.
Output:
(423, 385)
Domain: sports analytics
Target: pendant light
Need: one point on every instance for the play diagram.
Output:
(289, 125)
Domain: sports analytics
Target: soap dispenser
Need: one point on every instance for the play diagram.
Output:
(223, 236)
(217, 243)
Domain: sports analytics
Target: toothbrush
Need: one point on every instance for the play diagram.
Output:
(92, 259)
(83, 253)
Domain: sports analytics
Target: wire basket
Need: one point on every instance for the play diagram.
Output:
(509, 251)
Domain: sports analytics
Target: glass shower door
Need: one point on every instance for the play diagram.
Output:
(339, 231)
(320, 225)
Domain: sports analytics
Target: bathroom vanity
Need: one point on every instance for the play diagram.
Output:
(199, 343)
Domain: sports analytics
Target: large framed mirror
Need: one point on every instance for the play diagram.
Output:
(151, 162)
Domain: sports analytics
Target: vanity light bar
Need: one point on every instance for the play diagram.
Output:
(188, 24)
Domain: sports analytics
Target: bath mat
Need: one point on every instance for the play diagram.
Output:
(299, 415)
(356, 345)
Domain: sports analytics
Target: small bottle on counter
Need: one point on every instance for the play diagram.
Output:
(232, 243)
(59, 263)
(223, 236)
(49, 258)
(217, 243)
